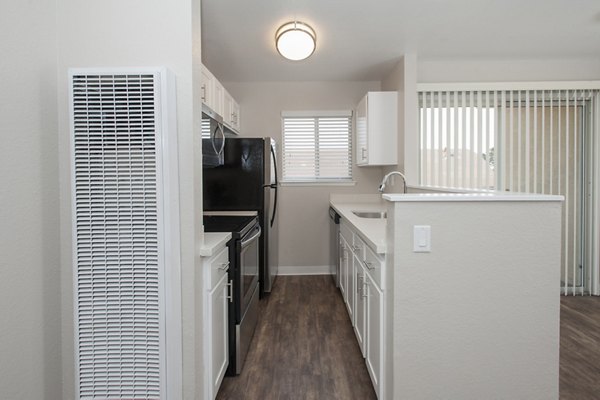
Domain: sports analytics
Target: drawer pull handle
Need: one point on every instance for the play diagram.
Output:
(365, 288)
(224, 266)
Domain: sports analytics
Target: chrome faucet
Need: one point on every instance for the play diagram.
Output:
(385, 179)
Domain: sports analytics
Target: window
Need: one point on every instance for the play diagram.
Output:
(520, 140)
(317, 146)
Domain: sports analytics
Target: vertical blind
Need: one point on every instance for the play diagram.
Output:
(528, 141)
(317, 146)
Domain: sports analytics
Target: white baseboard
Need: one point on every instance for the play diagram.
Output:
(305, 270)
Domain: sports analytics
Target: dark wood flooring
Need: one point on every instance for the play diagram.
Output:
(579, 348)
(304, 348)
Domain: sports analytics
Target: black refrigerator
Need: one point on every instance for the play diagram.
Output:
(247, 181)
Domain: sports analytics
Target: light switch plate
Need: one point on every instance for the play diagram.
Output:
(421, 238)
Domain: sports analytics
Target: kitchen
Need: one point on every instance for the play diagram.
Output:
(39, 295)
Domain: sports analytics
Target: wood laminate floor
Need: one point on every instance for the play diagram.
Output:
(304, 347)
(579, 348)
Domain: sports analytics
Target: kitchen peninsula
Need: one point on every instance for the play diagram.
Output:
(467, 295)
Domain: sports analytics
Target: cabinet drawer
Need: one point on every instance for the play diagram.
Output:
(346, 232)
(217, 267)
(374, 266)
(358, 247)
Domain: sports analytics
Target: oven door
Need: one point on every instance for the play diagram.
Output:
(248, 249)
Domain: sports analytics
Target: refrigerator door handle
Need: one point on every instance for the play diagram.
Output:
(275, 185)
(274, 206)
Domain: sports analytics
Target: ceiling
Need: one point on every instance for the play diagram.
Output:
(360, 40)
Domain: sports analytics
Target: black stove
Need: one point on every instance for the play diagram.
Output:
(238, 225)
(243, 275)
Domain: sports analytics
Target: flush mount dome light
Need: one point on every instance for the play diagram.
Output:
(295, 40)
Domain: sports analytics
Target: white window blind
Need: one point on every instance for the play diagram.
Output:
(317, 146)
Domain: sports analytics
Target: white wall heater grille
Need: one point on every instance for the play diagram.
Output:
(118, 143)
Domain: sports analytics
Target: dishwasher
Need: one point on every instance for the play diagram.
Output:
(334, 241)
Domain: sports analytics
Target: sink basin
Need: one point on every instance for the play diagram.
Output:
(370, 214)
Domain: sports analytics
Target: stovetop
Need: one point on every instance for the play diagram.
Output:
(238, 225)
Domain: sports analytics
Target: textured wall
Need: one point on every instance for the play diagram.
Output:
(134, 33)
(478, 317)
(507, 70)
(29, 239)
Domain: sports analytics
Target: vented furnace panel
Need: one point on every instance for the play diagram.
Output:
(118, 233)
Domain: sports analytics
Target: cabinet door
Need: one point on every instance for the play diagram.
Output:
(360, 309)
(219, 357)
(361, 132)
(374, 336)
(351, 287)
(227, 109)
(207, 81)
(343, 266)
(235, 117)
(217, 100)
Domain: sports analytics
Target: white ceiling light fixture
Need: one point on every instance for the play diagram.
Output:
(295, 40)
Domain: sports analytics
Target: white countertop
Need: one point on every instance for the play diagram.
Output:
(214, 241)
(371, 230)
(482, 196)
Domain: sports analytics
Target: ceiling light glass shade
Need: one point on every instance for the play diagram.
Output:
(295, 40)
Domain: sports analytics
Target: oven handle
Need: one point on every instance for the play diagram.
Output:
(246, 242)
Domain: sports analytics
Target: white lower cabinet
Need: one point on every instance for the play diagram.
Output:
(351, 287)
(217, 306)
(362, 280)
(343, 252)
(361, 309)
(216, 342)
(374, 336)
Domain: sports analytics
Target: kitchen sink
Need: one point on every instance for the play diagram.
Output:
(370, 214)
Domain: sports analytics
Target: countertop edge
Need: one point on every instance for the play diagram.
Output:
(212, 242)
(379, 248)
(474, 197)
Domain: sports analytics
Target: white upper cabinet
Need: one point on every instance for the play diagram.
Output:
(231, 112)
(218, 96)
(218, 99)
(377, 129)
(208, 84)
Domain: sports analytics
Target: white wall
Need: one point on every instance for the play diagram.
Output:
(507, 71)
(403, 79)
(303, 216)
(478, 316)
(129, 33)
(29, 265)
